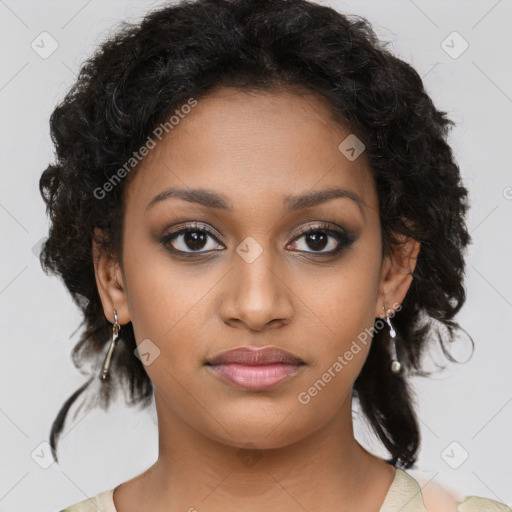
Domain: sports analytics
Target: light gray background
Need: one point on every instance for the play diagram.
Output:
(467, 403)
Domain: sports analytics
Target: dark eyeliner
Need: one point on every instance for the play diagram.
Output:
(187, 228)
(344, 238)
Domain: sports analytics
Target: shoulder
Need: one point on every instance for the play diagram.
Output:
(438, 498)
(442, 499)
(477, 504)
(102, 501)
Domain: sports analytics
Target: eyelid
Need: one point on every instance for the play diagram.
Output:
(187, 226)
(323, 226)
(344, 238)
(184, 227)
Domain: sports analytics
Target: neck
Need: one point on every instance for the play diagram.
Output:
(215, 474)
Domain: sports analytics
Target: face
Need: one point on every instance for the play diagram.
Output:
(232, 266)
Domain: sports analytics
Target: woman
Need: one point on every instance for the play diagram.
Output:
(256, 209)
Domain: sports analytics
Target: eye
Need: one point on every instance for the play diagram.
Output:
(192, 239)
(323, 240)
(198, 239)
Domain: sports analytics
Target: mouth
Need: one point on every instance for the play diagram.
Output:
(255, 369)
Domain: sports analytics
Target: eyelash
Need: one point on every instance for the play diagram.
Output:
(343, 238)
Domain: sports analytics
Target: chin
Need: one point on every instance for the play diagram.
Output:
(267, 435)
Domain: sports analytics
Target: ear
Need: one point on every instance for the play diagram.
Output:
(396, 277)
(109, 280)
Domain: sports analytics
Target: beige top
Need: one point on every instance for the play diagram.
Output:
(404, 495)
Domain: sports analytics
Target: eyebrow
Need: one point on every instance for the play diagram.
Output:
(202, 196)
(212, 199)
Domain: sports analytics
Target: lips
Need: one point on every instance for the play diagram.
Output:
(255, 356)
(255, 369)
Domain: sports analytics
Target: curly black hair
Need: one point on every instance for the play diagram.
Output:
(145, 71)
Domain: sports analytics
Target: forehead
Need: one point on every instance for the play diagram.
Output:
(253, 145)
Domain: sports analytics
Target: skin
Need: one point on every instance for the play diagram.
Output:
(222, 448)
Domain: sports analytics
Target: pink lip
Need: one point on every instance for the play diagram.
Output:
(255, 377)
(255, 369)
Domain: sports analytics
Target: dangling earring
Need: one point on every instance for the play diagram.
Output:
(106, 364)
(395, 363)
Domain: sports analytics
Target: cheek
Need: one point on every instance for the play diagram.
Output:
(169, 306)
(344, 311)
(159, 292)
(344, 298)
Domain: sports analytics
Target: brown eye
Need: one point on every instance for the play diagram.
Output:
(322, 240)
(317, 241)
(192, 240)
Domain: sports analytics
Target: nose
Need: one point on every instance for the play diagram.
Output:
(257, 296)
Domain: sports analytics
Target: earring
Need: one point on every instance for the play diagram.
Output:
(106, 364)
(395, 363)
